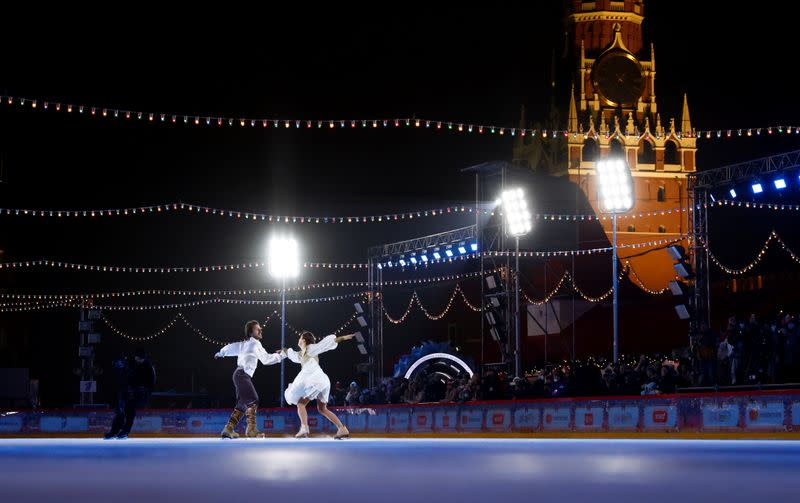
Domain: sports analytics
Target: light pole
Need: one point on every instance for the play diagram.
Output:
(615, 194)
(284, 263)
(518, 223)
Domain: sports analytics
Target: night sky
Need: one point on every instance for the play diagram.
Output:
(460, 64)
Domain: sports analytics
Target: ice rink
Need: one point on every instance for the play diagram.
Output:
(411, 470)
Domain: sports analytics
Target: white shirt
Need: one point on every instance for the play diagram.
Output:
(248, 354)
(309, 359)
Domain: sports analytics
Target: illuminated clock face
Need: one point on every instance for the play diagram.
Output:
(618, 78)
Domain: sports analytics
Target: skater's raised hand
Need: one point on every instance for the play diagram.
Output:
(218, 355)
(345, 337)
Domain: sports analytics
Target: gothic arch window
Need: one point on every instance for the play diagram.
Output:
(671, 155)
(590, 150)
(646, 153)
(662, 193)
(631, 228)
(662, 228)
(616, 148)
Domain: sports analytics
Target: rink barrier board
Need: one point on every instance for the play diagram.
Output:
(696, 413)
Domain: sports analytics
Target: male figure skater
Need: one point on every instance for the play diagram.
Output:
(248, 353)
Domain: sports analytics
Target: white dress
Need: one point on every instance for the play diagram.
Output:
(311, 383)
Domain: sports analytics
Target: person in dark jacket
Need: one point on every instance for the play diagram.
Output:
(136, 379)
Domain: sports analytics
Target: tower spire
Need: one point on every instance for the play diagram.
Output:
(572, 124)
(686, 121)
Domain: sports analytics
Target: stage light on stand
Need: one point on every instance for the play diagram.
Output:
(518, 223)
(616, 196)
(283, 263)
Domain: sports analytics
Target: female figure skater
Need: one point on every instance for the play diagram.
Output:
(312, 383)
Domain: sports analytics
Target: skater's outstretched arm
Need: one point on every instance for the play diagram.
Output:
(326, 344)
(264, 357)
(232, 349)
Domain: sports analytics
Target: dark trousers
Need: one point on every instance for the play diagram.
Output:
(125, 411)
(245, 391)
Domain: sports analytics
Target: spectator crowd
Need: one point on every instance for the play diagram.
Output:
(751, 351)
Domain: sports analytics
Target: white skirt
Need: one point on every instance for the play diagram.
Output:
(313, 385)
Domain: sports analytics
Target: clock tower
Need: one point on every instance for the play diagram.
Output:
(613, 112)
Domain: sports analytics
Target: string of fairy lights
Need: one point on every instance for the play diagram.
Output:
(179, 317)
(547, 296)
(37, 305)
(225, 293)
(163, 209)
(338, 331)
(639, 282)
(323, 265)
(168, 269)
(194, 209)
(773, 237)
(458, 291)
(415, 299)
(751, 205)
(247, 302)
(266, 123)
(72, 303)
(158, 333)
(568, 276)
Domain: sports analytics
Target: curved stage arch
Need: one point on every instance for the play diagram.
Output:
(438, 356)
